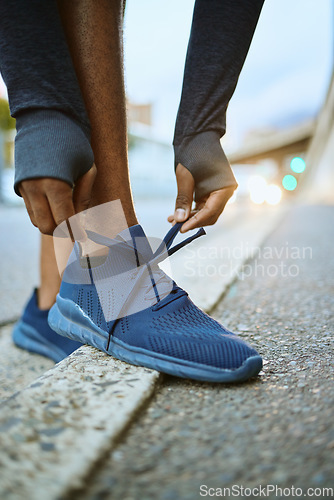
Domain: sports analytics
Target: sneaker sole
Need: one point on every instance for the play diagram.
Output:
(68, 319)
(27, 338)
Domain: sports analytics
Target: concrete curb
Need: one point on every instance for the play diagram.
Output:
(54, 430)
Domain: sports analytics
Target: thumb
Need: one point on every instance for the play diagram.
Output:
(83, 190)
(185, 193)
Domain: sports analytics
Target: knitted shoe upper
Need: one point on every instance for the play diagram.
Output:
(181, 330)
(122, 281)
(37, 319)
(171, 326)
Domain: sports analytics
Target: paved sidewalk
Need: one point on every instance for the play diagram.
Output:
(275, 430)
(18, 368)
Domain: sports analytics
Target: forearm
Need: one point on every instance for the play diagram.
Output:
(94, 33)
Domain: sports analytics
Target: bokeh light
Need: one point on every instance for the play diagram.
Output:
(273, 194)
(289, 182)
(297, 165)
(257, 187)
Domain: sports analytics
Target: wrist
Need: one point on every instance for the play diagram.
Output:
(204, 157)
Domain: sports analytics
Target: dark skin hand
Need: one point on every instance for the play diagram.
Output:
(51, 201)
(206, 211)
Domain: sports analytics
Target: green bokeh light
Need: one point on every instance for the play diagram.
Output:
(289, 182)
(297, 165)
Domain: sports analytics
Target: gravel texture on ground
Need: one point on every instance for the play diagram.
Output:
(276, 429)
(18, 368)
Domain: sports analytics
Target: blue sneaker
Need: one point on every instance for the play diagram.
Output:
(167, 332)
(33, 334)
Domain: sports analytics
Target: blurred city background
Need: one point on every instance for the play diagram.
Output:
(271, 118)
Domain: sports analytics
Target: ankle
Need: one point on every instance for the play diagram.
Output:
(46, 298)
(132, 220)
(129, 212)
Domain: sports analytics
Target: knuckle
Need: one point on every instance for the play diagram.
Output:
(182, 199)
(60, 192)
(32, 220)
(30, 188)
(46, 227)
(212, 220)
(56, 188)
(84, 202)
(59, 219)
(31, 214)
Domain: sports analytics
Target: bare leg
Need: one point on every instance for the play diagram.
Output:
(94, 32)
(50, 279)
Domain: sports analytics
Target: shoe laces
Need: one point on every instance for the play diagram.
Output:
(157, 276)
(165, 250)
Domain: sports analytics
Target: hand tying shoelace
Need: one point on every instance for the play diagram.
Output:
(143, 258)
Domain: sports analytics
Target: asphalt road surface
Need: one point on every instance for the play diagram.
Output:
(276, 430)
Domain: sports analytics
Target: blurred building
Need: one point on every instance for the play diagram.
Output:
(151, 158)
(139, 113)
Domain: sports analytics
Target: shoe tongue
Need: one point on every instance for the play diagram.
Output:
(124, 284)
(128, 250)
(136, 237)
(131, 239)
(132, 231)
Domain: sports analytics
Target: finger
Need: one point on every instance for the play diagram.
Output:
(37, 206)
(212, 209)
(61, 203)
(83, 190)
(171, 218)
(63, 210)
(62, 207)
(28, 207)
(43, 215)
(209, 214)
(200, 204)
(185, 193)
(199, 219)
